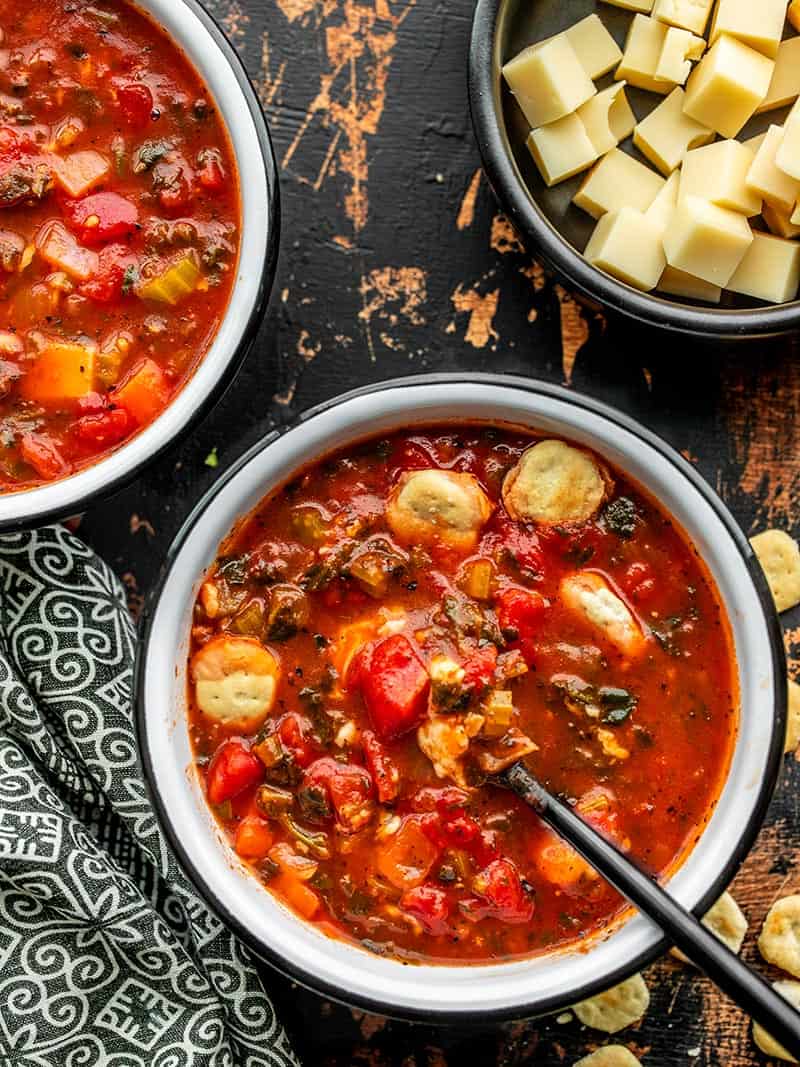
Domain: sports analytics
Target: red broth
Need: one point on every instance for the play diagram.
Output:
(330, 796)
(119, 231)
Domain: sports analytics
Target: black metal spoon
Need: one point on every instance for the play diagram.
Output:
(744, 986)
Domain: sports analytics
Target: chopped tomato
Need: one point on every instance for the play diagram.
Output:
(519, 613)
(101, 217)
(292, 730)
(253, 838)
(521, 543)
(479, 668)
(500, 895)
(394, 684)
(430, 906)
(232, 769)
(136, 103)
(410, 456)
(107, 283)
(384, 773)
(210, 174)
(105, 428)
(349, 788)
(144, 392)
(41, 452)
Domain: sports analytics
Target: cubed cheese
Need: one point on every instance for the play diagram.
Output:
(759, 25)
(727, 86)
(561, 149)
(718, 172)
(628, 246)
(548, 81)
(769, 271)
(707, 241)
(767, 180)
(632, 5)
(660, 211)
(687, 14)
(607, 118)
(787, 158)
(667, 134)
(681, 48)
(785, 85)
(679, 283)
(780, 222)
(594, 46)
(618, 181)
(643, 49)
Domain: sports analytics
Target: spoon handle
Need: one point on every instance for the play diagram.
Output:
(743, 985)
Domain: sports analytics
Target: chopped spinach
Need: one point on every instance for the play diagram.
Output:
(620, 517)
(150, 153)
(233, 569)
(618, 704)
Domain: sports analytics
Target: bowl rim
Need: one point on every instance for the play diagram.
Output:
(305, 975)
(60, 499)
(557, 254)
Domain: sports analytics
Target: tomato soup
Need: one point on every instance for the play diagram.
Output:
(406, 619)
(119, 230)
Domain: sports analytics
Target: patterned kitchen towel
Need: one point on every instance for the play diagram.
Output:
(106, 954)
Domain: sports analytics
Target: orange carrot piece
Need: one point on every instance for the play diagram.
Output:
(298, 896)
(144, 392)
(253, 838)
(62, 372)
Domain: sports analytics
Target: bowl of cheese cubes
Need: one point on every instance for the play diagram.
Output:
(648, 152)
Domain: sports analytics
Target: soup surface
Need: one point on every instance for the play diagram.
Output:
(119, 220)
(408, 617)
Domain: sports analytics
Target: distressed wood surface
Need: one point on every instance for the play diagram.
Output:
(395, 260)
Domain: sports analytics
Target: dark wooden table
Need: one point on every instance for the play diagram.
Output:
(395, 260)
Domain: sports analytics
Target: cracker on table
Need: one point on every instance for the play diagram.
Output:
(609, 1056)
(793, 718)
(769, 1046)
(617, 1008)
(779, 940)
(725, 920)
(779, 556)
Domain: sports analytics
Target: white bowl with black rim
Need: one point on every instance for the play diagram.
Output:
(456, 993)
(195, 32)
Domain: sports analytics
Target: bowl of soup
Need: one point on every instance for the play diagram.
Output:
(138, 234)
(380, 608)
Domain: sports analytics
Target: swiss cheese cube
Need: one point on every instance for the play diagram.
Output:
(632, 5)
(561, 149)
(628, 246)
(679, 283)
(643, 48)
(681, 48)
(787, 157)
(780, 222)
(727, 85)
(767, 180)
(687, 14)
(785, 85)
(594, 46)
(548, 81)
(660, 211)
(667, 133)
(607, 118)
(707, 241)
(718, 172)
(759, 24)
(769, 271)
(618, 181)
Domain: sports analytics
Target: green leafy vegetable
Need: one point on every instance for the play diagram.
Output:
(620, 517)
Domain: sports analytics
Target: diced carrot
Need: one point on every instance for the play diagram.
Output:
(298, 896)
(79, 172)
(405, 858)
(144, 392)
(253, 838)
(62, 372)
(59, 248)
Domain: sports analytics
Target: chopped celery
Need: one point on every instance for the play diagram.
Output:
(477, 580)
(499, 711)
(308, 526)
(173, 284)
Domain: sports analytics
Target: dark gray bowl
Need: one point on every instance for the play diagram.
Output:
(551, 227)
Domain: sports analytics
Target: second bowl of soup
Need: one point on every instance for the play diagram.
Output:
(399, 613)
